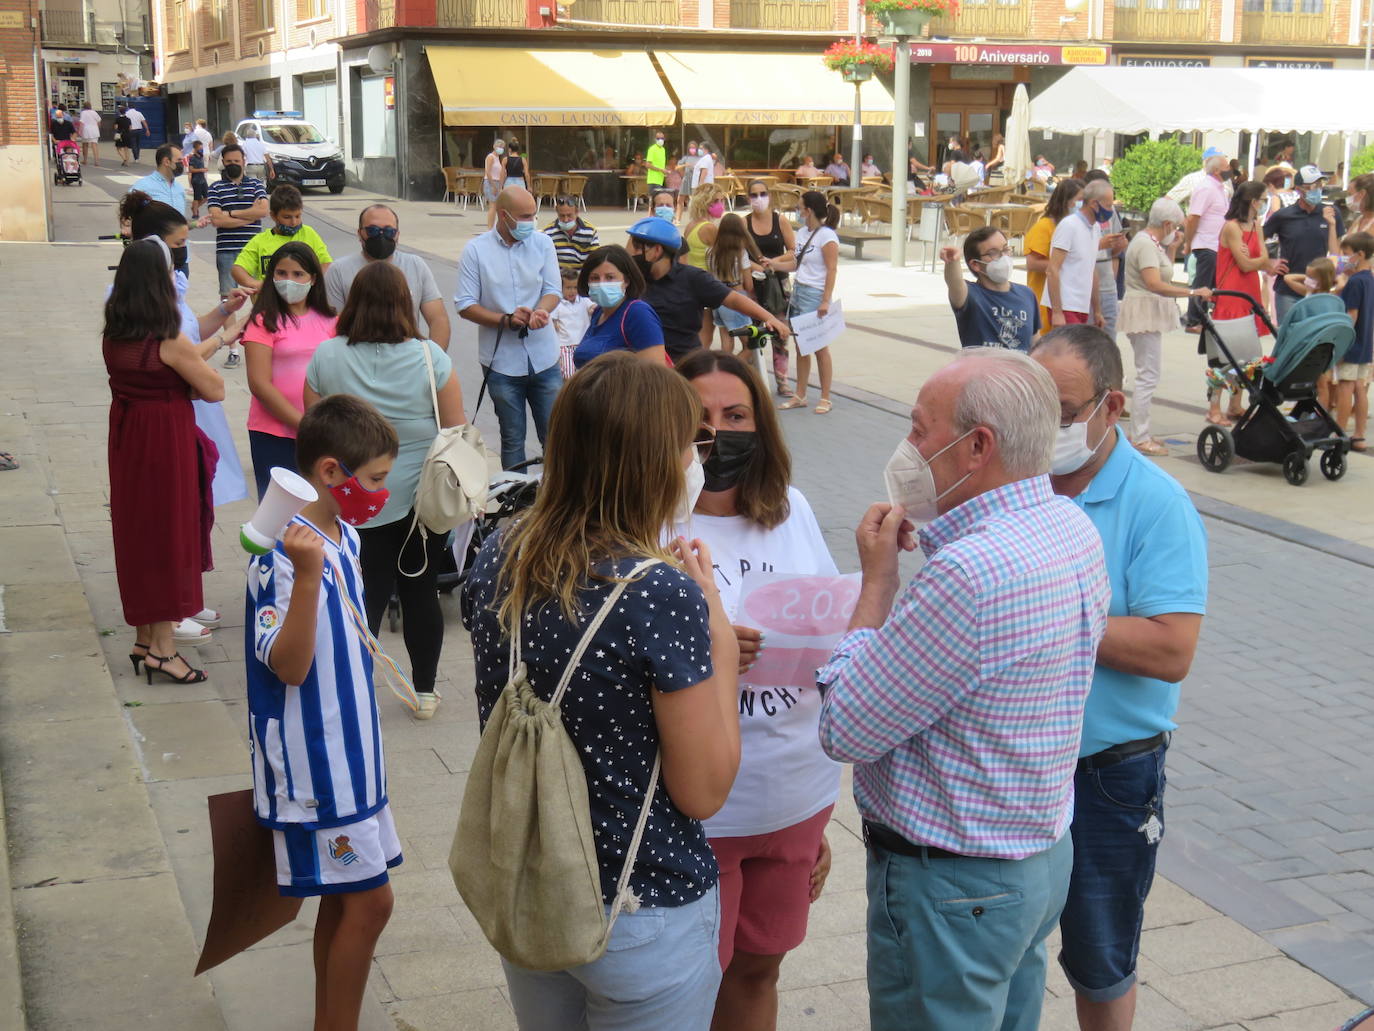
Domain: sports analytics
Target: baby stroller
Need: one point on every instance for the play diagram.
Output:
(66, 162)
(1313, 333)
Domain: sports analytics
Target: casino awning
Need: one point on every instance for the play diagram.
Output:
(736, 88)
(510, 87)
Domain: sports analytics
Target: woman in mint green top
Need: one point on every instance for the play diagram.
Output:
(379, 357)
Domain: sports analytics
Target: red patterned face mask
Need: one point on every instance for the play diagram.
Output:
(357, 504)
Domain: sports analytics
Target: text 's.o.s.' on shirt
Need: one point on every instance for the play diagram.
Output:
(656, 638)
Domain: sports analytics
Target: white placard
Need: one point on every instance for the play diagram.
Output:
(812, 332)
(803, 616)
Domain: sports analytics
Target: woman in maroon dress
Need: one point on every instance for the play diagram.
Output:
(156, 457)
(1240, 260)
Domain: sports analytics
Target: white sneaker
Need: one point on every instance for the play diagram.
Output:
(429, 702)
(233, 360)
(188, 631)
(207, 617)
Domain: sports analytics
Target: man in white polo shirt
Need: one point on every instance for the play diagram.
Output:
(1071, 279)
(257, 163)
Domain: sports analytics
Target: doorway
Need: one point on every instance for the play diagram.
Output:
(977, 125)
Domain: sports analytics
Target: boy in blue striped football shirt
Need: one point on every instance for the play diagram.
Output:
(319, 780)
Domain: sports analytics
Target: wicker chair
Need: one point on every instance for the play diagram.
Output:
(637, 190)
(785, 197)
(575, 186)
(1018, 223)
(547, 186)
(960, 223)
(470, 188)
(453, 181)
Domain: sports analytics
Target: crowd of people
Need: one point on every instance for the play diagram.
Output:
(1007, 711)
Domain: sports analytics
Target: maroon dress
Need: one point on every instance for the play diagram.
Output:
(155, 486)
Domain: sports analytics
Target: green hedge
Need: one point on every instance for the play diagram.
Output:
(1150, 169)
(1362, 161)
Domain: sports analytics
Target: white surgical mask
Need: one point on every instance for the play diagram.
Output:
(291, 291)
(911, 484)
(1071, 450)
(999, 269)
(696, 480)
(758, 203)
(1168, 241)
(567, 227)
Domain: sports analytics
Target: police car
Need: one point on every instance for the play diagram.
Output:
(301, 154)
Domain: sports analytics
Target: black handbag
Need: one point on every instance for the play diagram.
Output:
(771, 293)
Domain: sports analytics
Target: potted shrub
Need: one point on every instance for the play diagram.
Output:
(909, 17)
(857, 61)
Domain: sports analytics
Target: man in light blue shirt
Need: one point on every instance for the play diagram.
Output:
(161, 185)
(1156, 550)
(508, 283)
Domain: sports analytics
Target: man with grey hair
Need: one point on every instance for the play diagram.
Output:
(1156, 553)
(1071, 286)
(960, 702)
(1202, 229)
(379, 230)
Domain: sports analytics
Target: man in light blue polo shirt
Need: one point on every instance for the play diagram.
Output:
(508, 283)
(1156, 551)
(161, 183)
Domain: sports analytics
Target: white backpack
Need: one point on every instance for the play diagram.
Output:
(453, 478)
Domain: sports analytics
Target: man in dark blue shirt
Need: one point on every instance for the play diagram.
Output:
(992, 311)
(1354, 368)
(1307, 230)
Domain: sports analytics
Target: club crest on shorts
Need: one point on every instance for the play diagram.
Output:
(342, 852)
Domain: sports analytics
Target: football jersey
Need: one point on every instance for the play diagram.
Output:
(316, 746)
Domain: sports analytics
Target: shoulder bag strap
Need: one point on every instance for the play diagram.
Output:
(415, 518)
(594, 626)
(486, 371)
(433, 387)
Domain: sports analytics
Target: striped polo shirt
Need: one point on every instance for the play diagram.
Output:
(316, 746)
(573, 248)
(962, 712)
(233, 196)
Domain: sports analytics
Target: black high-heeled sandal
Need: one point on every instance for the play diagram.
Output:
(136, 658)
(193, 675)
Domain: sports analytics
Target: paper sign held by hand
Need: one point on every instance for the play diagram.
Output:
(813, 332)
(247, 906)
(802, 618)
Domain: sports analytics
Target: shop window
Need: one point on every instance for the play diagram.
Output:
(378, 116)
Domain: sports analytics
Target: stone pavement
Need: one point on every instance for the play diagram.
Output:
(1268, 841)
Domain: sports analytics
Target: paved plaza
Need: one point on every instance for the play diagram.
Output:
(1263, 919)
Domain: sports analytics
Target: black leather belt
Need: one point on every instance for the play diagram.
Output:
(1120, 753)
(884, 837)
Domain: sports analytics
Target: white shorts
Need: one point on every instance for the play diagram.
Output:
(354, 857)
(1353, 372)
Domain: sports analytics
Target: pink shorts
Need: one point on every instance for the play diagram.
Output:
(765, 888)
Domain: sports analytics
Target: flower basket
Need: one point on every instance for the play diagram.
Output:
(857, 61)
(909, 17)
(857, 73)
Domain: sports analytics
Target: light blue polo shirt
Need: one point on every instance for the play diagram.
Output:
(158, 188)
(1156, 550)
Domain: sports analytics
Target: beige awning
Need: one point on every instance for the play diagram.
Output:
(509, 87)
(768, 89)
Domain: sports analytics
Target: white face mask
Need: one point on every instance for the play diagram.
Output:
(1168, 241)
(291, 291)
(998, 270)
(696, 480)
(1071, 450)
(911, 484)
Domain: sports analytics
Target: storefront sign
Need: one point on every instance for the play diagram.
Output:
(1161, 61)
(13, 20)
(1006, 53)
(1287, 62)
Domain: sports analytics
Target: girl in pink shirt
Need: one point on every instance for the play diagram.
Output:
(291, 317)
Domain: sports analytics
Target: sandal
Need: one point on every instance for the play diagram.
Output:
(188, 631)
(1153, 448)
(823, 406)
(191, 676)
(135, 657)
(1220, 420)
(208, 617)
(1358, 444)
(792, 402)
(8, 461)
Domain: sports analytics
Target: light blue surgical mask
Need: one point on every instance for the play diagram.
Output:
(1314, 197)
(521, 230)
(664, 211)
(608, 295)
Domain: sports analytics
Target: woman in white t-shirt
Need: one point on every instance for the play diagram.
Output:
(768, 837)
(815, 261)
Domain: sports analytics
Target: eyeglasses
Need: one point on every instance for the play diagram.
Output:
(991, 256)
(704, 441)
(1069, 416)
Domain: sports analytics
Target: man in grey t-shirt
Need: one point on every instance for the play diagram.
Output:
(1113, 245)
(378, 231)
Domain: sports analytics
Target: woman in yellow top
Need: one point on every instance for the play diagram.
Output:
(704, 210)
(1037, 242)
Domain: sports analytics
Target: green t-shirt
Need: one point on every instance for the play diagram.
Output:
(657, 154)
(259, 250)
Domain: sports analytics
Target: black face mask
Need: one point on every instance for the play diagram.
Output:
(379, 247)
(645, 266)
(233, 171)
(729, 458)
(178, 256)
(176, 170)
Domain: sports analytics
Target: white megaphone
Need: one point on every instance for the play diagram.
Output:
(287, 493)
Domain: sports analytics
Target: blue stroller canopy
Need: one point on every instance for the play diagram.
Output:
(1315, 320)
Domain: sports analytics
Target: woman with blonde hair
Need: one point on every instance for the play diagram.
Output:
(731, 259)
(1359, 203)
(659, 683)
(699, 234)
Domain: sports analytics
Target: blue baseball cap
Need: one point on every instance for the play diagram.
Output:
(657, 230)
(1213, 152)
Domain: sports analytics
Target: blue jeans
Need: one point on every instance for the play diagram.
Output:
(1106, 300)
(224, 262)
(268, 450)
(957, 944)
(805, 299)
(1113, 868)
(660, 971)
(1282, 304)
(510, 395)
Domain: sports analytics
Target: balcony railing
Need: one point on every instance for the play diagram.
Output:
(1160, 23)
(67, 27)
(467, 14)
(628, 12)
(986, 18)
(793, 15)
(1285, 27)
